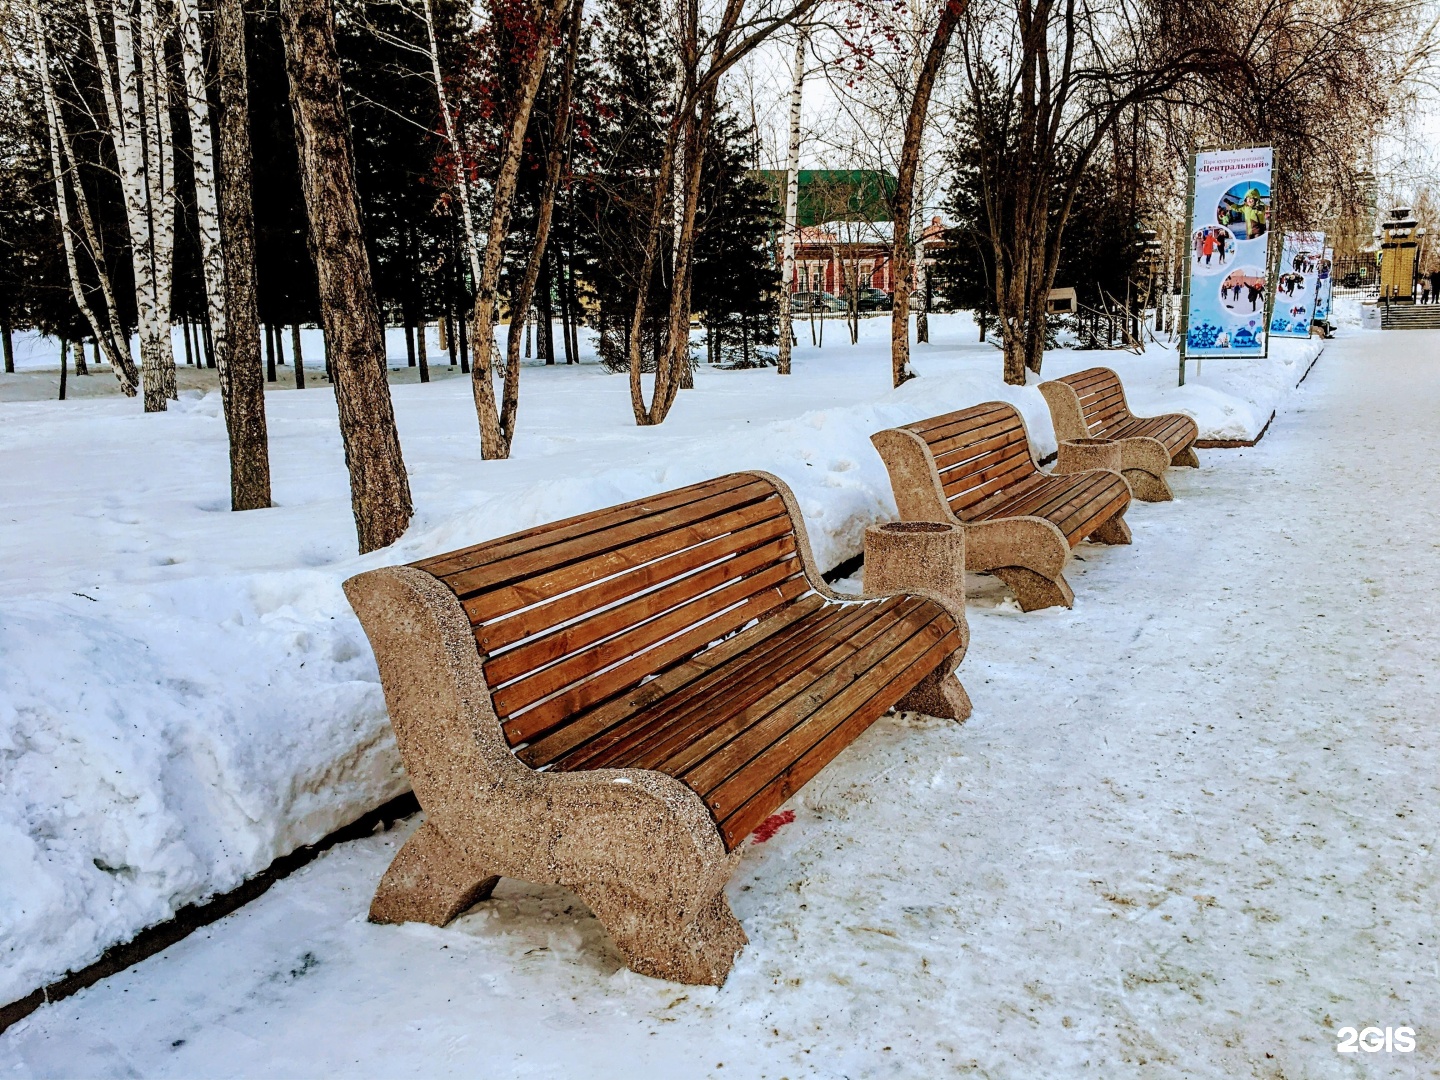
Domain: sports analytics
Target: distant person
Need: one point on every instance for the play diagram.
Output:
(1434, 276)
(1207, 247)
(1256, 291)
(1424, 290)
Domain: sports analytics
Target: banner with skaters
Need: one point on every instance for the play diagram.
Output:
(1297, 285)
(1227, 278)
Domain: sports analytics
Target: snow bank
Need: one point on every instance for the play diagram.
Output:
(185, 694)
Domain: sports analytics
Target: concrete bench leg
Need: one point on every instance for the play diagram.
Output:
(1114, 531)
(1186, 459)
(657, 941)
(1144, 463)
(1034, 591)
(1147, 487)
(430, 881)
(939, 694)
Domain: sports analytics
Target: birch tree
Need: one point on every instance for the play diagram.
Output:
(139, 119)
(704, 61)
(494, 439)
(792, 202)
(62, 149)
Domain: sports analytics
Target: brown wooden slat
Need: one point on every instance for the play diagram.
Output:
(955, 423)
(1005, 432)
(596, 521)
(796, 683)
(514, 612)
(592, 722)
(972, 474)
(513, 697)
(966, 503)
(1056, 496)
(648, 738)
(1100, 513)
(550, 556)
(982, 456)
(761, 741)
(743, 821)
(546, 715)
(775, 747)
(1090, 377)
(536, 652)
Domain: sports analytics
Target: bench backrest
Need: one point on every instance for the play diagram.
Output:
(1102, 398)
(571, 614)
(978, 452)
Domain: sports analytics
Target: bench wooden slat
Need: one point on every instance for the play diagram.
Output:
(789, 734)
(540, 650)
(582, 587)
(779, 790)
(759, 699)
(681, 631)
(467, 583)
(591, 722)
(648, 738)
(949, 425)
(593, 523)
(760, 738)
(967, 503)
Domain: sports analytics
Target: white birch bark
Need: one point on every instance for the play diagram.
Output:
(60, 148)
(792, 202)
(922, 314)
(472, 250)
(138, 144)
(207, 208)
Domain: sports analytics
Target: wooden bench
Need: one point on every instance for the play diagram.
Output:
(975, 467)
(1091, 404)
(615, 701)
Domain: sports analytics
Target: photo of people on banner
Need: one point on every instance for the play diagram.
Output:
(1296, 286)
(1228, 287)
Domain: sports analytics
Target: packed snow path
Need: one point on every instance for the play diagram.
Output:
(1189, 832)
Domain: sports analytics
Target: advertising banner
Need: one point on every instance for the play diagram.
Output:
(1325, 286)
(1297, 291)
(1227, 281)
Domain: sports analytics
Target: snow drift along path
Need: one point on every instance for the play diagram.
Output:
(1189, 832)
(184, 692)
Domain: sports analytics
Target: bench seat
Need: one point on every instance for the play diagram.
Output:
(615, 701)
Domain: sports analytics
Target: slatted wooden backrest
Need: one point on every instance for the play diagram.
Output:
(978, 451)
(571, 614)
(1102, 398)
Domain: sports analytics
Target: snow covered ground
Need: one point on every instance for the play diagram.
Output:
(185, 694)
(1189, 832)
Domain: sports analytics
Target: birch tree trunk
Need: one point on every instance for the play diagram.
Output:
(792, 202)
(462, 173)
(354, 333)
(145, 167)
(115, 345)
(900, 257)
(493, 441)
(244, 396)
(202, 152)
(521, 301)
